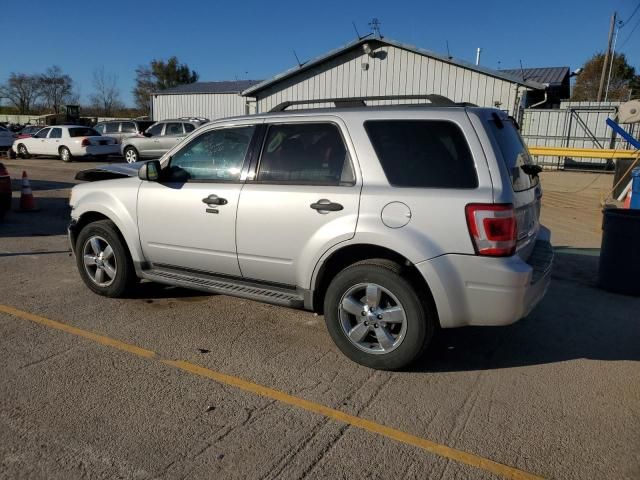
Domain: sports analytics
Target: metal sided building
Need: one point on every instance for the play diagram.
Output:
(376, 66)
(211, 100)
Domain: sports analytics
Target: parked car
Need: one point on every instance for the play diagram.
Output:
(121, 129)
(67, 142)
(5, 191)
(158, 138)
(29, 131)
(6, 138)
(391, 221)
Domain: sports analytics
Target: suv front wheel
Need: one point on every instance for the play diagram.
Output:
(103, 260)
(375, 316)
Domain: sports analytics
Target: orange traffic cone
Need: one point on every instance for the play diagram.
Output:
(27, 201)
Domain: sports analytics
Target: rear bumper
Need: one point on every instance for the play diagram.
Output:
(475, 290)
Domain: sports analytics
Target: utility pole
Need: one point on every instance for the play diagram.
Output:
(605, 64)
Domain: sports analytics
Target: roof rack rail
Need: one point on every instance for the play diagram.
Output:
(347, 102)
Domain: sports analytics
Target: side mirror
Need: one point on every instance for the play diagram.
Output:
(150, 171)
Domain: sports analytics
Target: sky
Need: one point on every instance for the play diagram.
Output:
(256, 39)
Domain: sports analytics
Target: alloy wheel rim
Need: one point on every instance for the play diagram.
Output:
(65, 154)
(99, 261)
(130, 156)
(372, 318)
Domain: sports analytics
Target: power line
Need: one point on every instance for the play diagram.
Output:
(630, 34)
(629, 19)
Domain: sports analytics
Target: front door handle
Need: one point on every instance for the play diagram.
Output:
(214, 200)
(323, 205)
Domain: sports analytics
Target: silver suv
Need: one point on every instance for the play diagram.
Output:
(158, 138)
(391, 221)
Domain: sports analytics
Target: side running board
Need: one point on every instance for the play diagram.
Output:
(226, 286)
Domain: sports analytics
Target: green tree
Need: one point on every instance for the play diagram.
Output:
(160, 75)
(622, 76)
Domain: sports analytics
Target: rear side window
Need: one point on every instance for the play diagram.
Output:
(128, 127)
(188, 127)
(305, 154)
(173, 129)
(83, 132)
(423, 153)
(111, 128)
(514, 152)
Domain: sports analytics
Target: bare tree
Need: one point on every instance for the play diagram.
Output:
(22, 90)
(56, 88)
(106, 96)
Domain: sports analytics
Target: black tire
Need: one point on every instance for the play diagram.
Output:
(125, 276)
(65, 154)
(23, 152)
(419, 317)
(131, 155)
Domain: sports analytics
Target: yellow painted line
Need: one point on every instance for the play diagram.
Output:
(328, 412)
(101, 339)
(583, 152)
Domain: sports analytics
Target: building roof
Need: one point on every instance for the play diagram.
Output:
(390, 42)
(550, 75)
(232, 86)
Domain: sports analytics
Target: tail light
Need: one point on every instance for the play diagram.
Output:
(493, 228)
(85, 142)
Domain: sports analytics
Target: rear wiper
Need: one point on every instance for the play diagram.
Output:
(531, 169)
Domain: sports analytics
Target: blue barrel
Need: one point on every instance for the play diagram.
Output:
(619, 268)
(635, 188)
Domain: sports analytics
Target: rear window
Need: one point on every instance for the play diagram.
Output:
(514, 152)
(83, 132)
(423, 153)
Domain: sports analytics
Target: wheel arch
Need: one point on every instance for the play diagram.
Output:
(354, 253)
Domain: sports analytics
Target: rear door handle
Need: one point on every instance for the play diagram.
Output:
(324, 205)
(214, 200)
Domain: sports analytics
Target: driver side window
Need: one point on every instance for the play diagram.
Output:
(216, 155)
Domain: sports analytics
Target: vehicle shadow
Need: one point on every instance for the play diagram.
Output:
(40, 185)
(575, 320)
(51, 218)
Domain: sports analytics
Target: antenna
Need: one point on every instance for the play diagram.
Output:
(375, 26)
(448, 53)
(297, 59)
(522, 71)
(356, 29)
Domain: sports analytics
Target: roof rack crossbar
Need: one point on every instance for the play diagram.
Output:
(435, 100)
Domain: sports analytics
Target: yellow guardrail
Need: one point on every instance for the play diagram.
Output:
(583, 152)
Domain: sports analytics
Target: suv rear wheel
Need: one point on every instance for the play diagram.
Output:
(375, 316)
(103, 260)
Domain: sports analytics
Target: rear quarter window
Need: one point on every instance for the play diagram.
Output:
(514, 152)
(423, 153)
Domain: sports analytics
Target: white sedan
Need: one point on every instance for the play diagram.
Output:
(67, 142)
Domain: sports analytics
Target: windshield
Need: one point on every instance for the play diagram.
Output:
(83, 132)
(514, 152)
